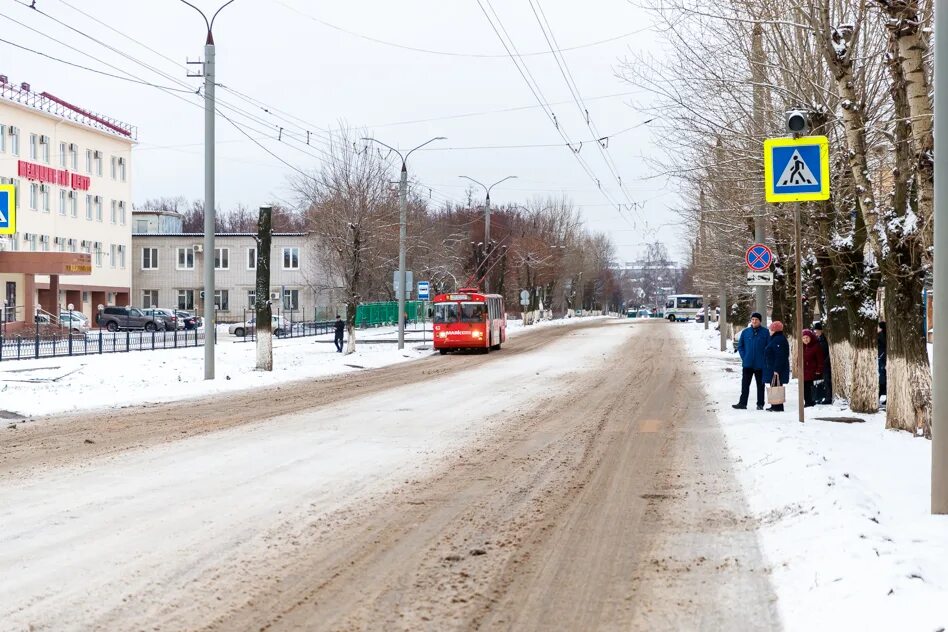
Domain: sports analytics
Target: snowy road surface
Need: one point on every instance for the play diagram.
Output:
(574, 480)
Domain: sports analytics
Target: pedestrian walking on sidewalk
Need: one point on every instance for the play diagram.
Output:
(340, 331)
(812, 366)
(823, 390)
(751, 346)
(777, 360)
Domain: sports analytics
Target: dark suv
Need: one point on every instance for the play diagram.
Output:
(115, 318)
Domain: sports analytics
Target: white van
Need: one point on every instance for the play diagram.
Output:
(679, 307)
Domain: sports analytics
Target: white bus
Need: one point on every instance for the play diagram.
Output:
(682, 307)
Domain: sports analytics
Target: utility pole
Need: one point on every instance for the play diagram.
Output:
(759, 77)
(940, 361)
(402, 232)
(487, 249)
(210, 320)
(799, 309)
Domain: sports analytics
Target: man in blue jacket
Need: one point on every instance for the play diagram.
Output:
(751, 347)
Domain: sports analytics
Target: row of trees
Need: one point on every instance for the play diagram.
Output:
(350, 208)
(861, 69)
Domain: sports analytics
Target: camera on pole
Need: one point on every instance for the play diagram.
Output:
(797, 122)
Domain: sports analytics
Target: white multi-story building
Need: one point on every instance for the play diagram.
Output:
(72, 174)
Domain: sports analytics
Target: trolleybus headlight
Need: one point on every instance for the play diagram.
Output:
(478, 334)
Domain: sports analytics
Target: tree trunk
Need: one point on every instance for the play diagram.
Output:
(909, 386)
(355, 277)
(262, 309)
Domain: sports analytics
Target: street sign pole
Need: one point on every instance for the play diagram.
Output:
(798, 265)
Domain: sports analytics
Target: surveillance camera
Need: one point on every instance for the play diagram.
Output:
(797, 121)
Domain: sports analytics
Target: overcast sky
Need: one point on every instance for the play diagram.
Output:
(282, 54)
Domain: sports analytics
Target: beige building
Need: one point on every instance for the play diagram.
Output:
(72, 174)
(168, 272)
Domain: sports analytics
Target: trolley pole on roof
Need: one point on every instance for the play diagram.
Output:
(402, 232)
(210, 325)
(940, 356)
(487, 220)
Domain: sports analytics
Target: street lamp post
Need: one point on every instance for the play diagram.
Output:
(402, 231)
(487, 219)
(210, 317)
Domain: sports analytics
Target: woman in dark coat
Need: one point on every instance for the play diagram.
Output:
(812, 365)
(777, 359)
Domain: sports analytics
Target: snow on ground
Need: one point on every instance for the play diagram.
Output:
(56, 385)
(134, 533)
(844, 509)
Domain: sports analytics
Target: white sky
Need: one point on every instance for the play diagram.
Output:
(275, 52)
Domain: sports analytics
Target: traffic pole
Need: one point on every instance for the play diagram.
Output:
(402, 244)
(799, 267)
(940, 361)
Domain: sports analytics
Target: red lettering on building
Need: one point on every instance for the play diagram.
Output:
(62, 177)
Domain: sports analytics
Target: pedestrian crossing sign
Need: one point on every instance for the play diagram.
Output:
(7, 209)
(796, 169)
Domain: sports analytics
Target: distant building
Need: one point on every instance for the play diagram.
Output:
(649, 282)
(144, 221)
(168, 272)
(71, 171)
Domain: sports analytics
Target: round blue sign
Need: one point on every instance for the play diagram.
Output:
(759, 257)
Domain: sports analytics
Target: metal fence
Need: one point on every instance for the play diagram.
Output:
(96, 342)
(378, 314)
(283, 326)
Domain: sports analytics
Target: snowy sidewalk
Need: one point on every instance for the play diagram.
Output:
(843, 509)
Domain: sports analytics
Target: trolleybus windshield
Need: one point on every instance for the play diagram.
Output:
(473, 312)
(446, 312)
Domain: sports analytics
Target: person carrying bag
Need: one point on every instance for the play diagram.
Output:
(777, 366)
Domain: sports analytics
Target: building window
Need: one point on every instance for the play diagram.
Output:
(3, 138)
(185, 299)
(31, 240)
(62, 155)
(74, 156)
(89, 161)
(291, 299)
(88, 206)
(98, 254)
(60, 244)
(44, 243)
(15, 141)
(34, 146)
(122, 173)
(149, 258)
(97, 159)
(186, 260)
(222, 300)
(113, 167)
(149, 298)
(44, 197)
(141, 225)
(121, 255)
(251, 299)
(113, 257)
(72, 245)
(98, 208)
(74, 204)
(34, 194)
(222, 258)
(44, 148)
(291, 258)
(113, 212)
(62, 201)
(122, 216)
(251, 258)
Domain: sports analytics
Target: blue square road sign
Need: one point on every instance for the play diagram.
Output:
(796, 169)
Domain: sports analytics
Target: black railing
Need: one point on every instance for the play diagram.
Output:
(283, 326)
(95, 342)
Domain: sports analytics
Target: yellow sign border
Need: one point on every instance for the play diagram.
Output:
(11, 212)
(773, 197)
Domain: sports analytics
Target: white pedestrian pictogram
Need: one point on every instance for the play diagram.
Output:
(796, 173)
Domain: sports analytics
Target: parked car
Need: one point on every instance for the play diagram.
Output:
(171, 320)
(115, 318)
(190, 320)
(76, 322)
(278, 326)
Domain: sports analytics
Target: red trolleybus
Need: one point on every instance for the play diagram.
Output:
(467, 319)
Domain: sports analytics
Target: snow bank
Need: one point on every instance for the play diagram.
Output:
(57, 385)
(843, 509)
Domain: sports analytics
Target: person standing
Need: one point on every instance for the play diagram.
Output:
(880, 339)
(777, 360)
(751, 346)
(824, 395)
(340, 331)
(812, 366)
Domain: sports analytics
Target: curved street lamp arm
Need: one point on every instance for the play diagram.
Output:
(211, 26)
(389, 147)
(477, 182)
(498, 182)
(423, 144)
(208, 24)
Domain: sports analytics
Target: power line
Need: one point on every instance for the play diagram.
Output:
(451, 53)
